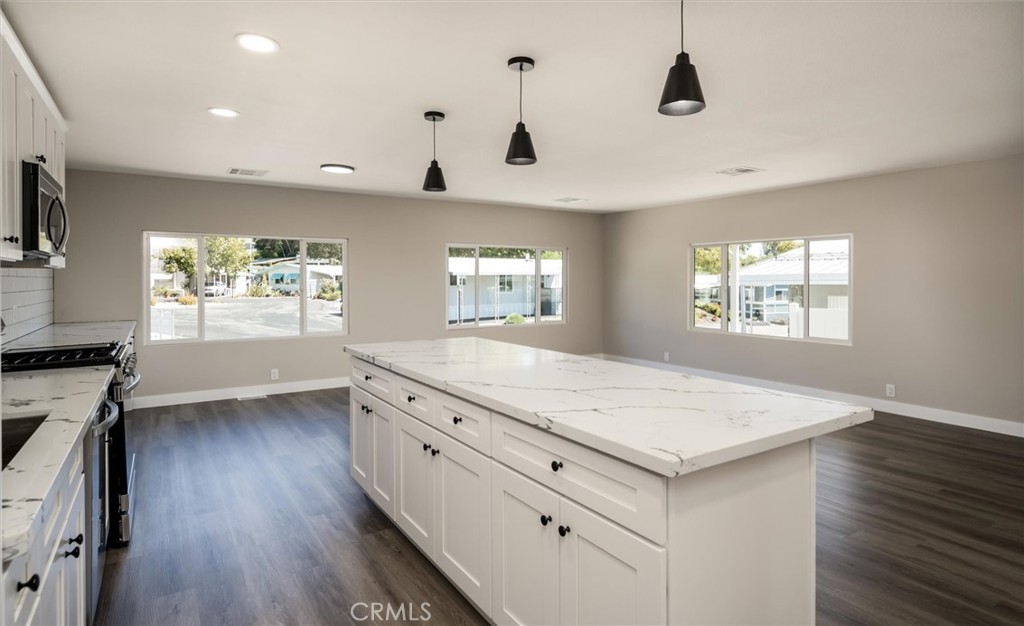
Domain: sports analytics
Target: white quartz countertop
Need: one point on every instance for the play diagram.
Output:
(74, 333)
(69, 397)
(665, 422)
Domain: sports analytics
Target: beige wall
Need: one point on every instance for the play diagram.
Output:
(395, 267)
(938, 277)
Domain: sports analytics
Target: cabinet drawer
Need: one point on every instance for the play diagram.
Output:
(626, 494)
(376, 380)
(415, 399)
(464, 422)
(18, 605)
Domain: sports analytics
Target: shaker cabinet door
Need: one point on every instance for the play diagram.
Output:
(360, 438)
(524, 536)
(414, 473)
(382, 474)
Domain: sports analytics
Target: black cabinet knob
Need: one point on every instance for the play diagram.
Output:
(435, 452)
(79, 539)
(411, 398)
(563, 530)
(31, 583)
(73, 553)
(456, 419)
(42, 159)
(544, 519)
(366, 409)
(367, 377)
(556, 465)
(426, 447)
(12, 239)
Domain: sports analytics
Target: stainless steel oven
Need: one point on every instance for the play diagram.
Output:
(44, 216)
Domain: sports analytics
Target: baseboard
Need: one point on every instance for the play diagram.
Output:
(229, 393)
(979, 422)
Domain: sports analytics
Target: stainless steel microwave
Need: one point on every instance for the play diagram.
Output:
(44, 217)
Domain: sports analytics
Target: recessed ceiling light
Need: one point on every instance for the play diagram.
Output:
(222, 112)
(337, 168)
(257, 43)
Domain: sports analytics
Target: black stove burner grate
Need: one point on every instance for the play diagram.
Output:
(65, 356)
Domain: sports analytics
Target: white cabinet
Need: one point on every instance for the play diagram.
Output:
(360, 437)
(72, 550)
(31, 129)
(382, 463)
(414, 463)
(556, 562)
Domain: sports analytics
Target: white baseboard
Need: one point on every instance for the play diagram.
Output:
(980, 422)
(228, 393)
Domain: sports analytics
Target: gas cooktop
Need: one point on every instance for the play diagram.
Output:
(64, 356)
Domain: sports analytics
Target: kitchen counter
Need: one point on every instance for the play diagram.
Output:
(70, 396)
(74, 333)
(665, 422)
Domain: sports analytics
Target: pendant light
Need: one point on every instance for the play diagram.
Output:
(435, 177)
(520, 148)
(682, 94)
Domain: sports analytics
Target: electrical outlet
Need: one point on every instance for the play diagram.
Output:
(273, 374)
(890, 390)
(666, 357)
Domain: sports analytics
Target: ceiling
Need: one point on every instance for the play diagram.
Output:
(807, 91)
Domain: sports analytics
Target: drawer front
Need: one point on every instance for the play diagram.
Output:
(415, 399)
(465, 422)
(376, 380)
(18, 605)
(633, 497)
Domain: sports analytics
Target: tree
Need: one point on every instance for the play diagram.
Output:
(181, 259)
(276, 248)
(228, 255)
(708, 260)
(322, 251)
(775, 248)
(494, 253)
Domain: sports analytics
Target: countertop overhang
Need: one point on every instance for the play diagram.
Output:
(666, 422)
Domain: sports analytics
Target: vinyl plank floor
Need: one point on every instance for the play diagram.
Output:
(246, 514)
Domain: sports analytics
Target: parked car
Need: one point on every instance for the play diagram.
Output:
(214, 289)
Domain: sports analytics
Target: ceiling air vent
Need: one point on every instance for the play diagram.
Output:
(570, 200)
(739, 171)
(239, 171)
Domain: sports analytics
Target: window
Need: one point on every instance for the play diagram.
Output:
(793, 288)
(248, 287)
(492, 285)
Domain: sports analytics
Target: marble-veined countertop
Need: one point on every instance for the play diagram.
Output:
(666, 422)
(72, 334)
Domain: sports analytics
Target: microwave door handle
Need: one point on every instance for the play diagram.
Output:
(49, 226)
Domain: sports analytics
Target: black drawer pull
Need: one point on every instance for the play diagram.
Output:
(79, 539)
(77, 551)
(32, 583)
(365, 409)
(456, 419)
(544, 519)
(367, 377)
(563, 530)
(12, 239)
(411, 398)
(42, 159)
(435, 452)
(426, 447)
(556, 465)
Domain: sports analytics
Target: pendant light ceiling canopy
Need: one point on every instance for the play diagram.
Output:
(682, 94)
(435, 177)
(520, 148)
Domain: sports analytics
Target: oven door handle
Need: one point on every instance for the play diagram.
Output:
(112, 416)
(131, 384)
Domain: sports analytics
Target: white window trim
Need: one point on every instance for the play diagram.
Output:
(147, 340)
(724, 282)
(536, 282)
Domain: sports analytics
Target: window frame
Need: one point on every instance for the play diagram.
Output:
(200, 238)
(538, 318)
(724, 289)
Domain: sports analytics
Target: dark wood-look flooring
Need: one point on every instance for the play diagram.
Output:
(246, 514)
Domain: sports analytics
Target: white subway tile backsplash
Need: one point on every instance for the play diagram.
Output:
(27, 300)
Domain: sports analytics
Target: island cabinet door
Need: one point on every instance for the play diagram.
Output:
(608, 574)
(462, 546)
(414, 473)
(524, 516)
(382, 473)
(360, 436)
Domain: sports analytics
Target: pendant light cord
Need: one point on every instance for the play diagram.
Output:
(433, 125)
(682, 48)
(520, 92)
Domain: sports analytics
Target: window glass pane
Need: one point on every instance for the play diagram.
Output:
(264, 299)
(173, 307)
(707, 280)
(324, 286)
(461, 286)
(508, 292)
(552, 268)
(766, 287)
(829, 289)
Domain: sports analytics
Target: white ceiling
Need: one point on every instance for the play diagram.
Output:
(807, 91)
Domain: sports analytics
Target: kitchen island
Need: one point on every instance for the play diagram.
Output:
(555, 488)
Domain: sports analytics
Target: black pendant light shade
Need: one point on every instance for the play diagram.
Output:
(435, 177)
(520, 147)
(682, 94)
